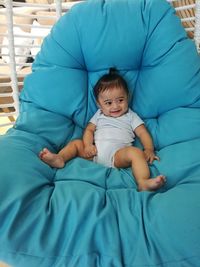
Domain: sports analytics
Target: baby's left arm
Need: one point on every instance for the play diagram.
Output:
(147, 142)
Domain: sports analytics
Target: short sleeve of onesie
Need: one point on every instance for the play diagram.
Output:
(95, 117)
(135, 120)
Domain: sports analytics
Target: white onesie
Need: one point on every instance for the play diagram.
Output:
(111, 134)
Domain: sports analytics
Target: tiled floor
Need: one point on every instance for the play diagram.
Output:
(3, 129)
(3, 264)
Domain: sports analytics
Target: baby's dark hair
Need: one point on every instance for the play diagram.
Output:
(109, 81)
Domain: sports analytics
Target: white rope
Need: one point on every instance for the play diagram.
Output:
(6, 94)
(34, 5)
(11, 45)
(7, 114)
(5, 84)
(65, 5)
(9, 105)
(185, 7)
(7, 124)
(197, 25)
(21, 15)
(191, 29)
(174, 1)
(31, 26)
(188, 19)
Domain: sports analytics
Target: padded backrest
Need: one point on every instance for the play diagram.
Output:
(144, 40)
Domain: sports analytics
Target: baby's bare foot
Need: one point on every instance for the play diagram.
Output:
(52, 159)
(152, 184)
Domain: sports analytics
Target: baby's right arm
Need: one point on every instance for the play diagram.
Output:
(88, 140)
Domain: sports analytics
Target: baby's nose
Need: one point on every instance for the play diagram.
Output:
(115, 104)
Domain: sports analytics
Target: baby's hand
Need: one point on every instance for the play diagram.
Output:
(150, 156)
(90, 151)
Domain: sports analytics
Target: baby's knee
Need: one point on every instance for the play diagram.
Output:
(77, 143)
(135, 152)
(78, 146)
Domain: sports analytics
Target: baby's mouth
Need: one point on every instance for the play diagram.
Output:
(115, 112)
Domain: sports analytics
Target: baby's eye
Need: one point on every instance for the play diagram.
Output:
(121, 100)
(108, 103)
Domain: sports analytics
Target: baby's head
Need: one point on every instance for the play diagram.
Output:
(111, 93)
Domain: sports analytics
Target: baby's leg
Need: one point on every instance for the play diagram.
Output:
(70, 151)
(52, 159)
(134, 157)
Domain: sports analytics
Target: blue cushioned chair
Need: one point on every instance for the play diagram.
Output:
(87, 215)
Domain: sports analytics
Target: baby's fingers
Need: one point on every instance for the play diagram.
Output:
(152, 158)
(156, 158)
(91, 153)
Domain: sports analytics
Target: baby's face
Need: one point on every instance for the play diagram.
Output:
(113, 102)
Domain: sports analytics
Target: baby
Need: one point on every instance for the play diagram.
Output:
(109, 136)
